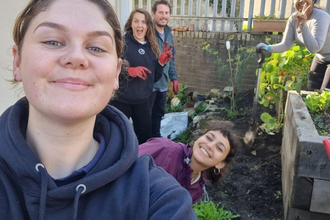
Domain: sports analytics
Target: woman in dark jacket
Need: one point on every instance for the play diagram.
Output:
(145, 67)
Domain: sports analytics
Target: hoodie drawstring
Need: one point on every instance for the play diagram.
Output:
(205, 195)
(43, 192)
(80, 189)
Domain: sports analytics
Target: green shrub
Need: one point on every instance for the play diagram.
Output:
(210, 211)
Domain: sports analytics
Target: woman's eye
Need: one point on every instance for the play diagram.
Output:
(219, 148)
(96, 49)
(53, 43)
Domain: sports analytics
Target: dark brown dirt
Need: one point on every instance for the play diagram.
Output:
(252, 188)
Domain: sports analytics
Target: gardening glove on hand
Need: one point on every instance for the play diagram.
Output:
(175, 87)
(262, 46)
(139, 71)
(166, 55)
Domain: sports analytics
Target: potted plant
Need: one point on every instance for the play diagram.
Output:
(268, 23)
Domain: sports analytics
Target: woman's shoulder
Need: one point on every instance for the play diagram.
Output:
(320, 13)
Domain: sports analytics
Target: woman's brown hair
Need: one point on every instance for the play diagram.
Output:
(150, 35)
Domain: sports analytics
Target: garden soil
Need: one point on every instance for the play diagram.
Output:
(252, 188)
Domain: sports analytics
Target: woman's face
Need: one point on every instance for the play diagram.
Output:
(211, 149)
(139, 26)
(299, 4)
(68, 62)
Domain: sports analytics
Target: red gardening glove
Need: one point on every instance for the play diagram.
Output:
(139, 71)
(175, 87)
(166, 55)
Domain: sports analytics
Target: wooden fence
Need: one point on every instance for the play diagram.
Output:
(233, 15)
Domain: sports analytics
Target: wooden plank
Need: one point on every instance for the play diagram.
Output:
(321, 197)
(302, 188)
(305, 215)
(312, 159)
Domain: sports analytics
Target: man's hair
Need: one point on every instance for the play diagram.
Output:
(160, 2)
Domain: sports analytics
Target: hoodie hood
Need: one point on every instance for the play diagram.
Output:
(20, 163)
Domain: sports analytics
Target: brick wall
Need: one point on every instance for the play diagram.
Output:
(196, 67)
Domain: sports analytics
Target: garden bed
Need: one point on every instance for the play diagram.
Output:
(252, 188)
(305, 164)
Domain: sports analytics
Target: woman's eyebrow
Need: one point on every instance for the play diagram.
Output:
(220, 143)
(51, 25)
(63, 28)
(100, 33)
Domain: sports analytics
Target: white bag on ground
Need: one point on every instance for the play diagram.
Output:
(173, 124)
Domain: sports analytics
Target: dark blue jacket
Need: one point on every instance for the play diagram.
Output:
(134, 90)
(120, 186)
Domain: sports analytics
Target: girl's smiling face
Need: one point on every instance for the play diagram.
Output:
(210, 150)
(68, 62)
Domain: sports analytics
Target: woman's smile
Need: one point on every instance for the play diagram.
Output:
(74, 84)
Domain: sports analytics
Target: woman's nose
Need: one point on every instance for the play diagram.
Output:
(75, 58)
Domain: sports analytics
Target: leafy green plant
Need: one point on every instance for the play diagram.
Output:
(318, 106)
(234, 67)
(318, 102)
(231, 113)
(267, 17)
(181, 95)
(184, 137)
(320, 125)
(270, 124)
(282, 72)
(210, 211)
(201, 108)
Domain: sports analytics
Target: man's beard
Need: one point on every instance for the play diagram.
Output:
(160, 24)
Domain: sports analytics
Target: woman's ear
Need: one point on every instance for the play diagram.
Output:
(116, 82)
(17, 73)
(221, 165)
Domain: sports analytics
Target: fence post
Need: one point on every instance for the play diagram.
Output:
(198, 13)
(215, 12)
(149, 5)
(232, 14)
(223, 14)
(140, 5)
(250, 14)
(262, 8)
(206, 14)
(241, 14)
(183, 3)
(126, 6)
(283, 5)
(272, 7)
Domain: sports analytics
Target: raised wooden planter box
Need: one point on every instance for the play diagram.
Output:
(305, 165)
(269, 25)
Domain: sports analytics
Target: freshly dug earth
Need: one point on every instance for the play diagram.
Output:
(252, 188)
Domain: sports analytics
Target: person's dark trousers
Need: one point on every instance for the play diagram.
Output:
(157, 104)
(317, 72)
(141, 117)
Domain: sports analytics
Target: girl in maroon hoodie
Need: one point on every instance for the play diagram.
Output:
(208, 159)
